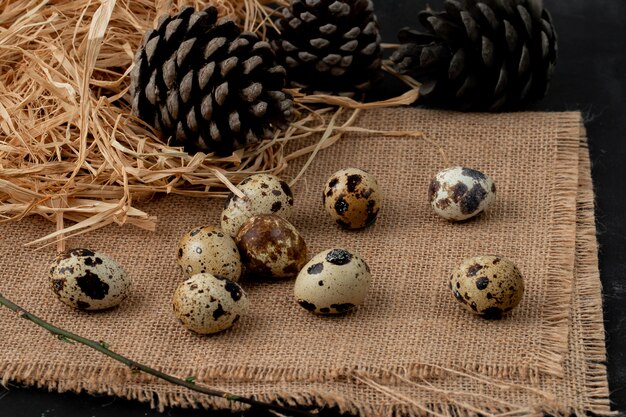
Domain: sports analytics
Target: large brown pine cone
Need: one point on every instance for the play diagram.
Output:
(329, 46)
(481, 55)
(206, 85)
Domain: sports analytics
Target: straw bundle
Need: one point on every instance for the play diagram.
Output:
(70, 149)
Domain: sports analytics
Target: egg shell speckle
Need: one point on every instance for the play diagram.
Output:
(264, 194)
(352, 198)
(210, 250)
(88, 280)
(333, 282)
(459, 193)
(487, 285)
(209, 304)
(271, 247)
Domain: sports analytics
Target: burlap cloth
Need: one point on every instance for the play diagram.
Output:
(410, 348)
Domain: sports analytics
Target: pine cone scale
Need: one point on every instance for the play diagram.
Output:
(456, 65)
(151, 47)
(526, 19)
(172, 29)
(490, 16)
(152, 90)
(510, 35)
(545, 45)
(502, 82)
(487, 50)
(327, 29)
(524, 61)
(205, 75)
(206, 108)
(471, 26)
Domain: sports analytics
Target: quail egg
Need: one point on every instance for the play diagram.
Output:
(264, 194)
(209, 249)
(459, 193)
(208, 303)
(487, 285)
(271, 247)
(333, 282)
(352, 198)
(88, 280)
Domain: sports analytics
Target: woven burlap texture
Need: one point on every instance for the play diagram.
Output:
(410, 345)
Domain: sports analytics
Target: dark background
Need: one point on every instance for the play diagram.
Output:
(590, 77)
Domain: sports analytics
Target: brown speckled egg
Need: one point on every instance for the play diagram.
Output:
(88, 280)
(352, 198)
(271, 247)
(264, 194)
(333, 282)
(459, 193)
(209, 304)
(209, 250)
(487, 285)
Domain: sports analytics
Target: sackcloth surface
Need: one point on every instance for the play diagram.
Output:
(409, 349)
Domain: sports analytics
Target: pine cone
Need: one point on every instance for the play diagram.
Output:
(328, 46)
(206, 85)
(487, 55)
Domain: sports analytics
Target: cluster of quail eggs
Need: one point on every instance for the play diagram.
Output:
(257, 240)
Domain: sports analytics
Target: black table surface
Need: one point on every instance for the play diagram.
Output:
(590, 77)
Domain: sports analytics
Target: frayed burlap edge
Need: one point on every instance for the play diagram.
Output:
(35, 371)
(160, 397)
(561, 256)
(589, 289)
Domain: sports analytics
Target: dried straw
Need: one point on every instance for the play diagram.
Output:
(70, 149)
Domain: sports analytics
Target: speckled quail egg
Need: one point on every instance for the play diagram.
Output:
(264, 194)
(271, 247)
(487, 285)
(209, 249)
(88, 280)
(352, 198)
(208, 303)
(459, 193)
(333, 282)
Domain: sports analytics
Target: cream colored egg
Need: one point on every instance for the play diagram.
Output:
(209, 304)
(460, 193)
(271, 247)
(210, 250)
(333, 282)
(487, 285)
(88, 280)
(352, 198)
(264, 194)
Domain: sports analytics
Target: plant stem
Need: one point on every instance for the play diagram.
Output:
(136, 367)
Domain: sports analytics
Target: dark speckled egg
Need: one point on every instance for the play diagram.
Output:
(209, 250)
(271, 247)
(208, 303)
(487, 285)
(335, 281)
(460, 193)
(352, 198)
(263, 194)
(88, 280)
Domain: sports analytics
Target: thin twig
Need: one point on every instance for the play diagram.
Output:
(136, 367)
